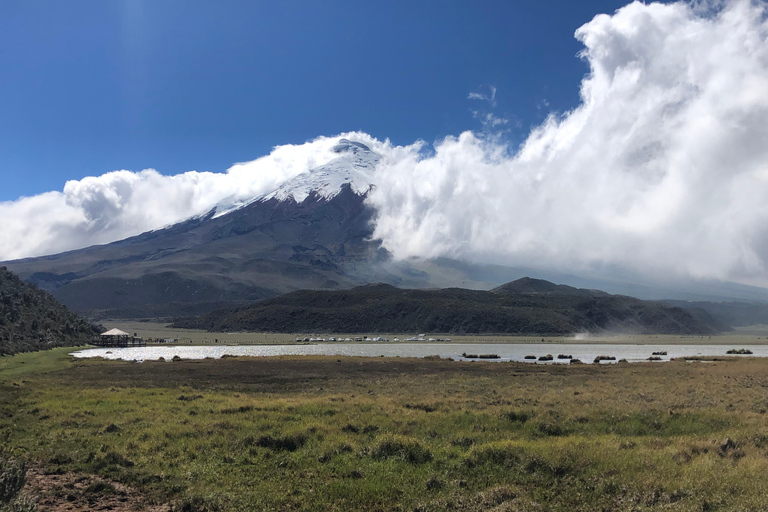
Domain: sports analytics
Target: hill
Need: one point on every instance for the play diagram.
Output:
(31, 319)
(733, 313)
(523, 307)
(530, 285)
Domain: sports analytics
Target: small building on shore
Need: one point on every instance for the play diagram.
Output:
(118, 338)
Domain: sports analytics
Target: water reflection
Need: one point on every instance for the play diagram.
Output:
(505, 352)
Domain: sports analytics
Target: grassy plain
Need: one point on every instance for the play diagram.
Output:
(328, 433)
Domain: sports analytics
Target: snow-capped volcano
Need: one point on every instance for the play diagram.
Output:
(313, 231)
(354, 166)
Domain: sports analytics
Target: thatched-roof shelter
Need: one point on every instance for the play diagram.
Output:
(115, 332)
(118, 338)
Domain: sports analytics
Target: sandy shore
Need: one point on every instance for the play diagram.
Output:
(757, 335)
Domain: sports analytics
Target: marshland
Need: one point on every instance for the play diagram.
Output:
(343, 433)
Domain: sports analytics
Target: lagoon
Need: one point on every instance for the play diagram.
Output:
(506, 351)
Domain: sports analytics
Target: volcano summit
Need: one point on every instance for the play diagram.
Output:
(311, 232)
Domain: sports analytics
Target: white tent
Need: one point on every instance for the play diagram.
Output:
(115, 332)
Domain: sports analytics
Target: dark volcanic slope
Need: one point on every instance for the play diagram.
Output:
(737, 313)
(31, 319)
(262, 250)
(525, 306)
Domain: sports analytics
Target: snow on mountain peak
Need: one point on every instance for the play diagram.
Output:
(354, 166)
(346, 146)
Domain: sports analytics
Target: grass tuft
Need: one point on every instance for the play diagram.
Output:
(289, 443)
(403, 448)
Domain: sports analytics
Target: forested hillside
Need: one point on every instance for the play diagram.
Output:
(31, 319)
(526, 306)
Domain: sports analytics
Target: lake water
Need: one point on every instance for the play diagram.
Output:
(507, 351)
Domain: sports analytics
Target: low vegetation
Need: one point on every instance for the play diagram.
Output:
(13, 476)
(378, 434)
(31, 319)
(525, 306)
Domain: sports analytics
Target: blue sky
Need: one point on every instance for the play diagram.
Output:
(87, 87)
(660, 170)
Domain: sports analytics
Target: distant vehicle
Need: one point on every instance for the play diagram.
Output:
(331, 339)
(396, 339)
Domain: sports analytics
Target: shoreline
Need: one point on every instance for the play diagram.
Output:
(757, 335)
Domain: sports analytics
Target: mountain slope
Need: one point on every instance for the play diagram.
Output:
(383, 308)
(735, 314)
(261, 250)
(31, 319)
(310, 233)
(313, 232)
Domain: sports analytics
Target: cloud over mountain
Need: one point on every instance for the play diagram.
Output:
(120, 204)
(662, 168)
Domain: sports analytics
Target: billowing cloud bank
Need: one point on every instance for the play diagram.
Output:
(120, 204)
(662, 169)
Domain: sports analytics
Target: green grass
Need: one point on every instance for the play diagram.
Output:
(371, 434)
(15, 366)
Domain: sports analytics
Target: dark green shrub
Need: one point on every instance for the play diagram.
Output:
(13, 476)
(550, 429)
(100, 488)
(289, 443)
(501, 453)
(198, 504)
(401, 447)
(516, 416)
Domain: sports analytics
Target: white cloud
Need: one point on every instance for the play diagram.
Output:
(489, 120)
(662, 168)
(485, 93)
(120, 204)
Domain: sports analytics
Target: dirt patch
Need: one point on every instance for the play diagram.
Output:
(73, 492)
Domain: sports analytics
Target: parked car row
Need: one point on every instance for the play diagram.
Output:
(373, 339)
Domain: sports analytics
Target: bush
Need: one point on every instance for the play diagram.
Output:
(401, 447)
(551, 429)
(289, 443)
(100, 488)
(22, 503)
(199, 504)
(503, 453)
(515, 416)
(13, 476)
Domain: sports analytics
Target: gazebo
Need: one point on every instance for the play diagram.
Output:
(118, 338)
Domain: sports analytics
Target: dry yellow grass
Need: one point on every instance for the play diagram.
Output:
(327, 433)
